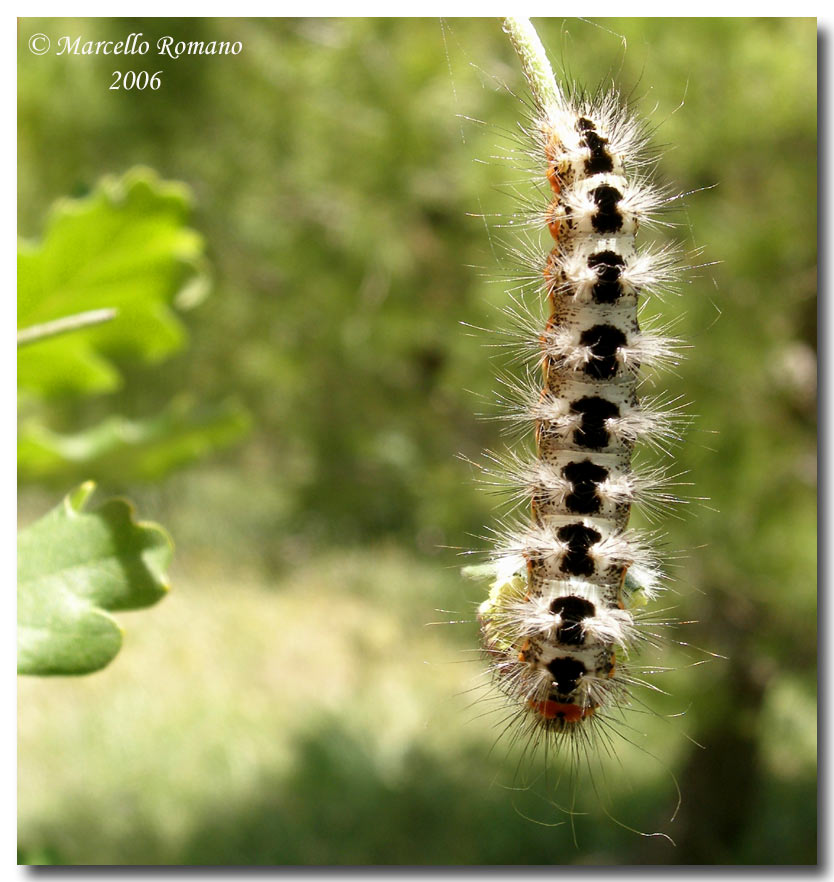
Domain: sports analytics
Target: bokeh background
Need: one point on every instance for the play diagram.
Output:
(288, 702)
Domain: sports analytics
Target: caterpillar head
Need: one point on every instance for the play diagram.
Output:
(556, 649)
(569, 678)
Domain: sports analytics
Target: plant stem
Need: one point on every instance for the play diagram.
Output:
(534, 62)
(65, 325)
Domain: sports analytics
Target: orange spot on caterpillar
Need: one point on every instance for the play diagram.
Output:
(549, 272)
(553, 178)
(552, 710)
(552, 147)
(620, 603)
(553, 219)
(553, 150)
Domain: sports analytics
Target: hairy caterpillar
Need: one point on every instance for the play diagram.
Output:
(568, 578)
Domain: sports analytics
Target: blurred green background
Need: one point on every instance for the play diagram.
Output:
(288, 703)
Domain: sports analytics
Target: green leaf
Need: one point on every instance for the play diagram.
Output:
(121, 450)
(73, 566)
(125, 246)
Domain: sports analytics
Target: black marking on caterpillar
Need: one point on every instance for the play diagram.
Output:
(608, 267)
(584, 478)
(603, 341)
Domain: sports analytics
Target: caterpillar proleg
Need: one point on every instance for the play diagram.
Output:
(568, 575)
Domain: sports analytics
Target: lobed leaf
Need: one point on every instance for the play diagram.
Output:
(125, 246)
(74, 568)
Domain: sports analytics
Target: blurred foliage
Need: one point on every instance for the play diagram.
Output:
(122, 450)
(72, 566)
(124, 248)
(348, 194)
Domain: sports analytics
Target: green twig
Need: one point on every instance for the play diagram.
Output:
(534, 61)
(65, 325)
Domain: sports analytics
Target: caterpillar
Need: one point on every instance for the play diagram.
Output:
(569, 577)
